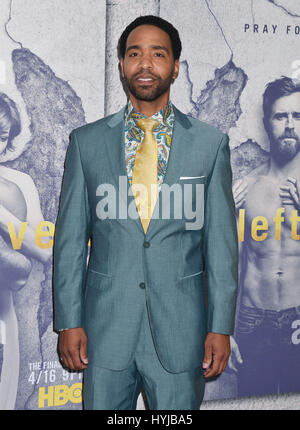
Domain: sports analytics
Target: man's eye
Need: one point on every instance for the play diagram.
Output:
(159, 54)
(133, 54)
(280, 116)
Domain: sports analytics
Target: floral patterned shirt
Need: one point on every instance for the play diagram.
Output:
(134, 135)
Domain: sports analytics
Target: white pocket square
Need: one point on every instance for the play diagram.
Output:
(191, 177)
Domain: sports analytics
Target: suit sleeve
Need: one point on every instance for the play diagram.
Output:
(72, 232)
(221, 245)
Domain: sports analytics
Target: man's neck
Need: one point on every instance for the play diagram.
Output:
(149, 108)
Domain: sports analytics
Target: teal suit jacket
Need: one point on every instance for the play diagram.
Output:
(165, 266)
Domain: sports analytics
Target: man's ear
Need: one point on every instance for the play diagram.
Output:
(122, 66)
(176, 69)
(266, 124)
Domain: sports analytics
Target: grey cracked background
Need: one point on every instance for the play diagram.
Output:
(60, 67)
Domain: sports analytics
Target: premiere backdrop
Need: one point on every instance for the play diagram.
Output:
(59, 70)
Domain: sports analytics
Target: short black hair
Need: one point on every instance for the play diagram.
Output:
(284, 86)
(158, 22)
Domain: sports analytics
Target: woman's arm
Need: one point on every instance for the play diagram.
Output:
(14, 267)
(9, 213)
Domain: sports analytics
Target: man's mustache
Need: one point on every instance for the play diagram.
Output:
(290, 135)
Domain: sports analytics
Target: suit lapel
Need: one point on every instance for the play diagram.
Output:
(115, 144)
(178, 156)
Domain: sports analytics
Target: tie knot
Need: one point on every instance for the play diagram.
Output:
(147, 124)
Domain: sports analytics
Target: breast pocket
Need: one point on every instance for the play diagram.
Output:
(193, 193)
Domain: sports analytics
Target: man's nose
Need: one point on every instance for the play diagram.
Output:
(290, 121)
(146, 61)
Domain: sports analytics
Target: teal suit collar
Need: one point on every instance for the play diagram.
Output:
(179, 116)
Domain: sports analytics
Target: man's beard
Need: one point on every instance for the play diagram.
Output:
(284, 151)
(147, 92)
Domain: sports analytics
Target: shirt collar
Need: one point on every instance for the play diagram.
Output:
(165, 116)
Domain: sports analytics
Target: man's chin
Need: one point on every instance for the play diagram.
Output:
(292, 145)
(146, 96)
(146, 99)
(287, 153)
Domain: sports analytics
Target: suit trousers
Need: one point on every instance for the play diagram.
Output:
(106, 389)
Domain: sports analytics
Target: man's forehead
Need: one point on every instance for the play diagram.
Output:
(147, 33)
(287, 102)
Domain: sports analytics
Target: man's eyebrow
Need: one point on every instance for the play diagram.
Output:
(163, 48)
(132, 47)
(285, 112)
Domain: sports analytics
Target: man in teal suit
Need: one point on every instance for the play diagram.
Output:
(137, 315)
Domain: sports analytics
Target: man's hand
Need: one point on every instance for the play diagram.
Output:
(216, 355)
(290, 194)
(239, 191)
(72, 348)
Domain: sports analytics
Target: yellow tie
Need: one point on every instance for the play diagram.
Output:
(145, 172)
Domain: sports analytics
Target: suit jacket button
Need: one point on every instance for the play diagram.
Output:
(146, 244)
(142, 285)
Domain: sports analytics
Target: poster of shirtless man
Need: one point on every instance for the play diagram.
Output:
(266, 345)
